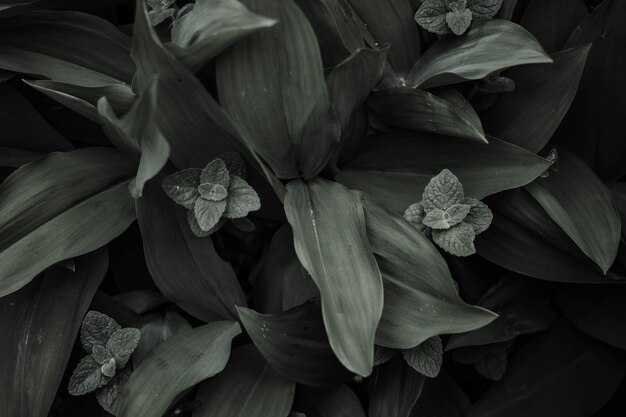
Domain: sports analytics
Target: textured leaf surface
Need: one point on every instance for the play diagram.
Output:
(176, 365)
(122, 344)
(96, 330)
(329, 229)
(242, 199)
(458, 240)
(108, 396)
(490, 46)
(248, 386)
(426, 358)
(61, 206)
(87, 377)
(396, 388)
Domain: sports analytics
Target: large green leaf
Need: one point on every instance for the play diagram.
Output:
(395, 167)
(416, 109)
(38, 333)
(599, 312)
(396, 388)
(337, 401)
(594, 124)
(210, 27)
(331, 242)
(70, 47)
(176, 365)
(559, 373)
(552, 21)
(248, 386)
(272, 84)
(421, 300)
(186, 268)
(581, 205)
(488, 47)
(392, 22)
(193, 123)
(529, 115)
(535, 245)
(295, 344)
(61, 206)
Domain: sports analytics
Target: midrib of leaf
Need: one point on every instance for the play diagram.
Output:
(254, 387)
(318, 245)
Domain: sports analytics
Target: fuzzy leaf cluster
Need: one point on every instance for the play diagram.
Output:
(445, 213)
(214, 194)
(160, 10)
(446, 16)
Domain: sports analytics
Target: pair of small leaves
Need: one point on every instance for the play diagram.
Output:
(453, 219)
(160, 10)
(110, 347)
(426, 358)
(213, 194)
(447, 16)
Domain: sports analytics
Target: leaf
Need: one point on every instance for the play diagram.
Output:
(182, 186)
(427, 357)
(156, 329)
(206, 286)
(295, 344)
(234, 163)
(536, 246)
(338, 401)
(122, 344)
(215, 172)
(139, 130)
(108, 368)
(490, 46)
(445, 113)
(440, 219)
(396, 388)
(242, 199)
(559, 372)
(432, 16)
(552, 22)
(185, 112)
(102, 355)
(38, 333)
(211, 27)
(442, 191)
(484, 9)
(577, 200)
(96, 330)
(383, 355)
(174, 366)
(108, 396)
(329, 228)
(290, 122)
(59, 207)
(458, 240)
(157, 17)
(208, 213)
(415, 215)
(70, 47)
(86, 377)
(493, 365)
(459, 20)
(524, 306)
(592, 127)
(414, 274)
(394, 167)
(213, 192)
(479, 215)
(247, 387)
(529, 116)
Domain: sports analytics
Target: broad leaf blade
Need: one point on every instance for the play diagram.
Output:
(488, 47)
(396, 388)
(39, 333)
(248, 386)
(61, 206)
(331, 242)
(174, 366)
(582, 206)
(552, 22)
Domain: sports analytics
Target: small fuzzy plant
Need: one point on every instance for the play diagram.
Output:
(447, 16)
(106, 368)
(452, 219)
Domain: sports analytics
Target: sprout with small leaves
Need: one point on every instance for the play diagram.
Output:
(160, 10)
(451, 218)
(447, 16)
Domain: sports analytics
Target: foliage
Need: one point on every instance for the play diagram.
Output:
(390, 208)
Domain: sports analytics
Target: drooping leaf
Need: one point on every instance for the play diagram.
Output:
(560, 372)
(396, 388)
(295, 344)
(39, 333)
(210, 27)
(421, 300)
(329, 229)
(579, 202)
(336, 401)
(490, 46)
(59, 207)
(176, 365)
(552, 22)
(70, 47)
(395, 167)
(248, 386)
(272, 84)
(524, 306)
(205, 285)
(416, 109)
(426, 358)
(96, 330)
(529, 116)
